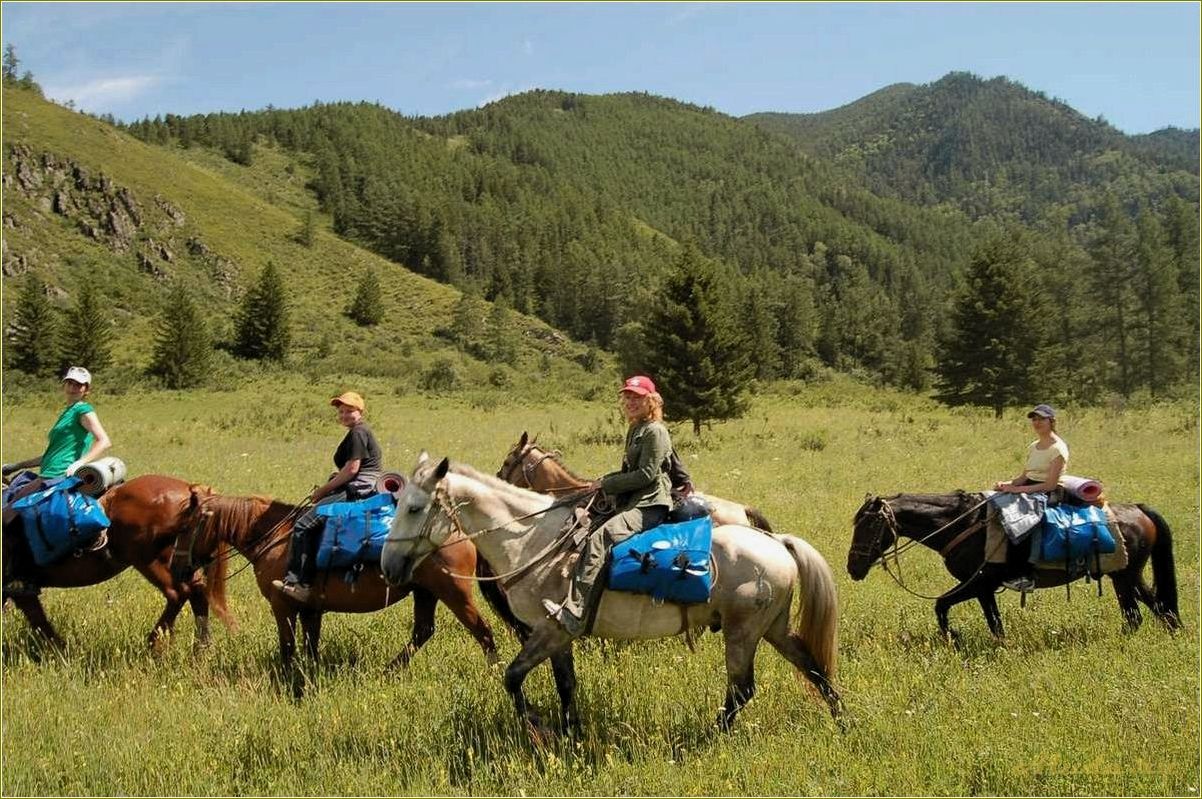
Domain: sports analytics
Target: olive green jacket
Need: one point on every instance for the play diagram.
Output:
(643, 481)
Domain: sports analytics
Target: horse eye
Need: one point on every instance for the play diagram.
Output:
(416, 508)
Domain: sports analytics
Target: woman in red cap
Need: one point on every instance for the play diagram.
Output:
(358, 460)
(640, 491)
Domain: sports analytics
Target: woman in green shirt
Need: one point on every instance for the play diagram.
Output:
(76, 438)
(641, 495)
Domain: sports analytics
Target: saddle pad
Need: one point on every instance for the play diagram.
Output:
(59, 520)
(670, 562)
(354, 531)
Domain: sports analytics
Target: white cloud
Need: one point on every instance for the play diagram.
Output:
(528, 47)
(103, 93)
(469, 83)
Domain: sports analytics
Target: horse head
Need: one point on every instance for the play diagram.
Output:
(874, 530)
(418, 527)
(513, 468)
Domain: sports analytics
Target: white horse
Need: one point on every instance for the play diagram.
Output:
(517, 532)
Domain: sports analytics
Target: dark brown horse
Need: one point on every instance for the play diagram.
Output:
(146, 514)
(527, 465)
(260, 529)
(954, 526)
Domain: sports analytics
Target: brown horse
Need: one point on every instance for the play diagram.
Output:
(954, 526)
(527, 465)
(147, 514)
(260, 529)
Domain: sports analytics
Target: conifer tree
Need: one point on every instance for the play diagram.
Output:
(694, 348)
(1156, 289)
(183, 351)
(994, 330)
(467, 323)
(34, 326)
(262, 329)
(86, 333)
(502, 342)
(367, 308)
(308, 231)
(11, 63)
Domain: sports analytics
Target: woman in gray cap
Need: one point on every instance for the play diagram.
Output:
(1047, 457)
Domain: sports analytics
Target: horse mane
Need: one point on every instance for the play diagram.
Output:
(492, 481)
(236, 515)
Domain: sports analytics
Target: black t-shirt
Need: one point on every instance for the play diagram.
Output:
(361, 445)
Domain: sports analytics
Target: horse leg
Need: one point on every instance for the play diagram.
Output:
(311, 625)
(794, 650)
(285, 624)
(424, 604)
(545, 640)
(948, 600)
(993, 616)
(458, 597)
(740, 675)
(159, 575)
(198, 600)
(564, 668)
(1124, 591)
(35, 614)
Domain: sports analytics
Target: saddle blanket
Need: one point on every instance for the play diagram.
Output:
(670, 562)
(58, 520)
(354, 531)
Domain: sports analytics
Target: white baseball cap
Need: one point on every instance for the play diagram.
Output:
(79, 375)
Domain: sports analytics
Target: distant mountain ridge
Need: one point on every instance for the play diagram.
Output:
(990, 147)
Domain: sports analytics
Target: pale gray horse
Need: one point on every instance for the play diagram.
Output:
(515, 530)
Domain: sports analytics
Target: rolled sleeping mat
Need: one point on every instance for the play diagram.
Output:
(1083, 488)
(389, 483)
(99, 476)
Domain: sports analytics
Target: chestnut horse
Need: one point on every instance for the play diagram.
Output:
(527, 465)
(146, 514)
(954, 526)
(260, 529)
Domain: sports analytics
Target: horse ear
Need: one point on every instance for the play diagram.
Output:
(522, 442)
(441, 471)
(422, 457)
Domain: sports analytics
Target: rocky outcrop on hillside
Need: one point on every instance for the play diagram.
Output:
(151, 233)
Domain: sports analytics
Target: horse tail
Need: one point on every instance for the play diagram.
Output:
(497, 599)
(215, 580)
(816, 624)
(1164, 570)
(757, 519)
(217, 571)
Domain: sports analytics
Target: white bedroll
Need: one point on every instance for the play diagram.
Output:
(99, 476)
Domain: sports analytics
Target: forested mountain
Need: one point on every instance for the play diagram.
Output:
(843, 248)
(993, 148)
(86, 205)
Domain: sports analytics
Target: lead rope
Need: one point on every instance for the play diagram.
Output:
(891, 520)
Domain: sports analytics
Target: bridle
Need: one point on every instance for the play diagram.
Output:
(440, 501)
(507, 470)
(888, 521)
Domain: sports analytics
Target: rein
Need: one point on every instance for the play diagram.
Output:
(530, 468)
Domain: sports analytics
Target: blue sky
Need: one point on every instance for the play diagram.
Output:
(1136, 64)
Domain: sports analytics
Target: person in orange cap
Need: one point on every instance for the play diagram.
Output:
(358, 460)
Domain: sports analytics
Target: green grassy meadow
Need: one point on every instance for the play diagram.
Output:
(1068, 706)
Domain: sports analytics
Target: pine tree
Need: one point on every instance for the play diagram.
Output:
(467, 322)
(1161, 320)
(308, 231)
(34, 326)
(694, 349)
(368, 306)
(262, 329)
(183, 351)
(994, 330)
(11, 63)
(502, 339)
(86, 334)
(1114, 252)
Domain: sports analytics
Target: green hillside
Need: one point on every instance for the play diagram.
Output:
(87, 202)
(993, 148)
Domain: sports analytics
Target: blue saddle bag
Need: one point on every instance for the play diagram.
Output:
(354, 531)
(59, 520)
(1073, 533)
(670, 562)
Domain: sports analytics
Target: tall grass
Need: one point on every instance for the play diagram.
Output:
(1069, 705)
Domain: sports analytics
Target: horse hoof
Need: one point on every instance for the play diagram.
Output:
(540, 734)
